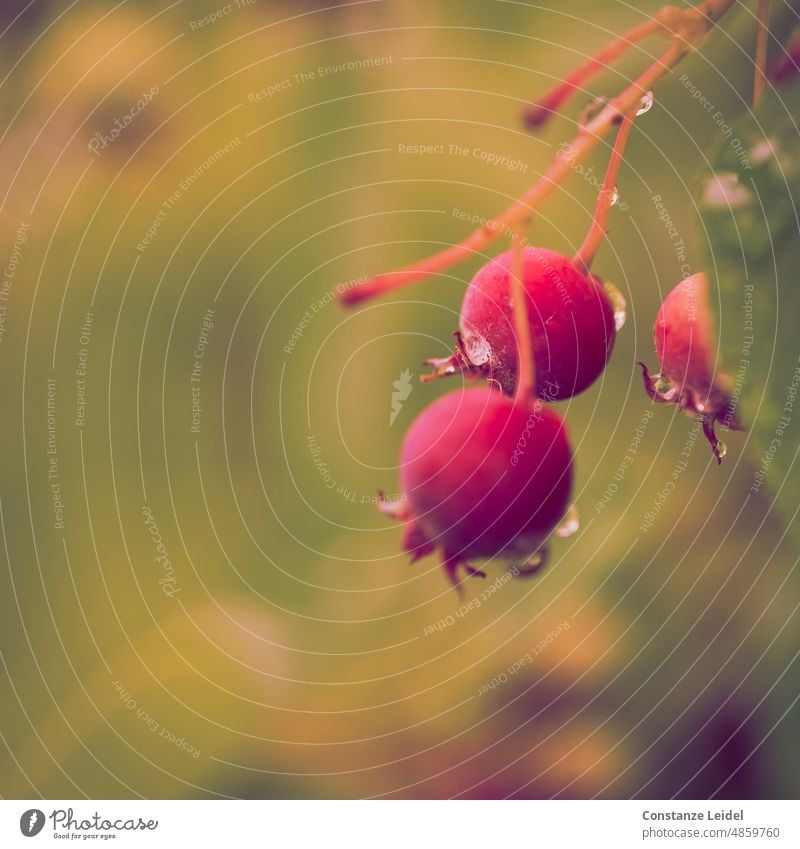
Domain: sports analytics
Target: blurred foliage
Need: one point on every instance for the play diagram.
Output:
(748, 200)
(298, 655)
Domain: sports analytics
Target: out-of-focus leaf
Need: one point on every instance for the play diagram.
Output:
(748, 202)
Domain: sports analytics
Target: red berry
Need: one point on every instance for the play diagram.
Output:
(483, 477)
(571, 317)
(687, 353)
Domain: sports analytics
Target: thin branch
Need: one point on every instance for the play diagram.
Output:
(605, 200)
(538, 113)
(694, 25)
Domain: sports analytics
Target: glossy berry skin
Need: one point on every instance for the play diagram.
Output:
(684, 338)
(571, 321)
(687, 353)
(483, 477)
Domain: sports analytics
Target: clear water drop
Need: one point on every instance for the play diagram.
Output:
(570, 525)
(664, 385)
(618, 304)
(647, 103)
(722, 449)
(614, 196)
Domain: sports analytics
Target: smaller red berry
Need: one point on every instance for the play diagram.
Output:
(687, 353)
(483, 477)
(572, 326)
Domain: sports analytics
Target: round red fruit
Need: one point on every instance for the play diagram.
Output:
(686, 348)
(572, 325)
(483, 477)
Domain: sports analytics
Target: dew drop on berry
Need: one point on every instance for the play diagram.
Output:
(618, 304)
(570, 525)
(647, 103)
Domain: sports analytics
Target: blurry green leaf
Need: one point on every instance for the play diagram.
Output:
(748, 206)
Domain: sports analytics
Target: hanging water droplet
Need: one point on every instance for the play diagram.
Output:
(647, 103)
(618, 304)
(664, 385)
(535, 563)
(591, 111)
(570, 525)
(614, 196)
(722, 449)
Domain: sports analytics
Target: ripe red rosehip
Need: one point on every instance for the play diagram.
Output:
(483, 476)
(572, 325)
(687, 353)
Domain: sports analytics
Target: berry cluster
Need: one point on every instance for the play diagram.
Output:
(487, 471)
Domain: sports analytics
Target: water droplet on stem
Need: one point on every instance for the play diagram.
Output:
(647, 104)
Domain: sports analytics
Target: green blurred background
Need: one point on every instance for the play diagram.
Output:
(282, 646)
